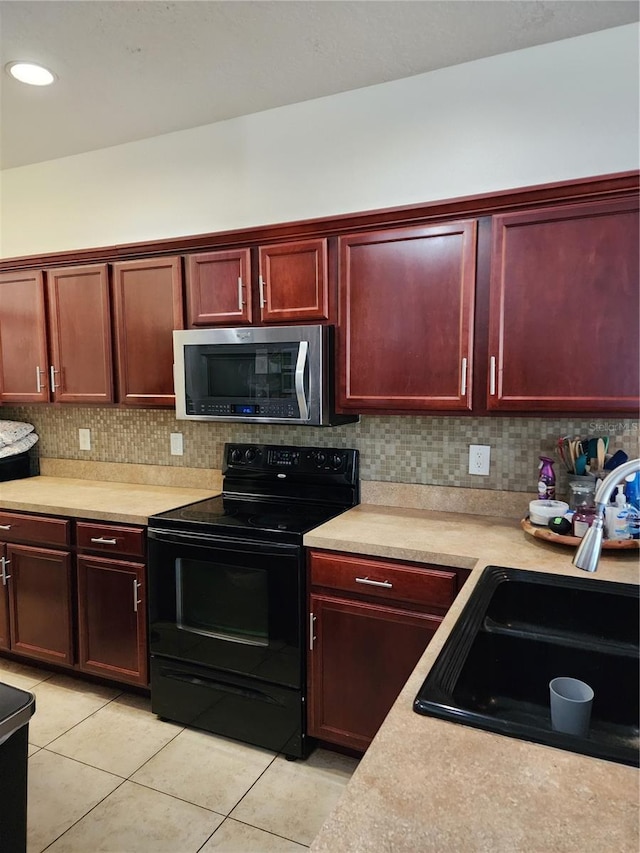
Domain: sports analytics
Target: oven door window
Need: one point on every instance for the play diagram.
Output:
(235, 607)
(230, 603)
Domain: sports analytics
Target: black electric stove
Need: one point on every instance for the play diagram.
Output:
(227, 593)
(272, 493)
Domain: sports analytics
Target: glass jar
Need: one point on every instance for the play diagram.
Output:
(583, 499)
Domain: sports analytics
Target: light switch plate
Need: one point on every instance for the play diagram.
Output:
(177, 445)
(479, 459)
(84, 439)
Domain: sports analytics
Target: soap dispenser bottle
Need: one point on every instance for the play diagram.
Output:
(617, 517)
(546, 480)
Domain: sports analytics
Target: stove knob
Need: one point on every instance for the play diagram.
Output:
(336, 460)
(250, 454)
(236, 455)
(321, 458)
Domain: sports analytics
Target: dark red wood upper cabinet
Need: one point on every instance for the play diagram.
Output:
(564, 309)
(406, 318)
(24, 364)
(219, 288)
(147, 298)
(294, 282)
(81, 366)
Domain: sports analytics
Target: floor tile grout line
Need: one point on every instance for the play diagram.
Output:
(84, 815)
(75, 725)
(253, 826)
(84, 763)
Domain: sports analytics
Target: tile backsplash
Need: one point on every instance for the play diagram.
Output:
(401, 449)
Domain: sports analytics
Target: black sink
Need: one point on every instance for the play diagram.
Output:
(519, 630)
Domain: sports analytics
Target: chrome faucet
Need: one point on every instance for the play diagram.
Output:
(588, 553)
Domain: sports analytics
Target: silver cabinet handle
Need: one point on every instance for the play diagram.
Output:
(52, 374)
(312, 636)
(100, 540)
(492, 375)
(39, 385)
(5, 576)
(240, 299)
(386, 584)
(136, 600)
(263, 301)
(463, 380)
(5, 527)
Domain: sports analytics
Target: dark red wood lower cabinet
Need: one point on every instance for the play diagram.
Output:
(111, 619)
(362, 655)
(40, 602)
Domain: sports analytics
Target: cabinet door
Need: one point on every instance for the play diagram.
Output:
(111, 619)
(40, 603)
(293, 282)
(23, 343)
(362, 656)
(147, 298)
(406, 318)
(80, 334)
(5, 572)
(219, 288)
(563, 331)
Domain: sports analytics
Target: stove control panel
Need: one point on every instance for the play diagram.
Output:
(303, 460)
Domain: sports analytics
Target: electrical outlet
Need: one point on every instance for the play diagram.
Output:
(177, 445)
(479, 459)
(84, 439)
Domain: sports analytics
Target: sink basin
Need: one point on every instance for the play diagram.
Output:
(519, 630)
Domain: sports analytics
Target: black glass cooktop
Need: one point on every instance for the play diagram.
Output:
(252, 519)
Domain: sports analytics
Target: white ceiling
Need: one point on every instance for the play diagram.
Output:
(131, 70)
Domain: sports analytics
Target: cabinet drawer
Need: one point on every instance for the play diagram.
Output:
(393, 581)
(37, 529)
(110, 539)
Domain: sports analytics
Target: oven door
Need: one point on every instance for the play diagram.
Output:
(231, 605)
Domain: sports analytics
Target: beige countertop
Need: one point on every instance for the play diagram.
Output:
(430, 785)
(131, 503)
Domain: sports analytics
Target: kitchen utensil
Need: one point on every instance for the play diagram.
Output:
(600, 453)
(617, 459)
(581, 464)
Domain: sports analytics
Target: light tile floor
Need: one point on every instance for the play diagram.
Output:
(105, 774)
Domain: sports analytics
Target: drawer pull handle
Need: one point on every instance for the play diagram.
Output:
(386, 584)
(100, 540)
(5, 527)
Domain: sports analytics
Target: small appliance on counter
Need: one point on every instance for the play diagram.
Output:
(16, 439)
(227, 593)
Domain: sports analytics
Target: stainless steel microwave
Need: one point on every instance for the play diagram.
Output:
(282, 374)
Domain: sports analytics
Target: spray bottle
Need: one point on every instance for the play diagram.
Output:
(546, 480)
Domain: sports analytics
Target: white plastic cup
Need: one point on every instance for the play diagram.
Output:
(571, 702)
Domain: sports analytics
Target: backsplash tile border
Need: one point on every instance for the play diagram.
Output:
(394, 449)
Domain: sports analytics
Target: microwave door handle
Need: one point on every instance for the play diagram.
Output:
(299, 380)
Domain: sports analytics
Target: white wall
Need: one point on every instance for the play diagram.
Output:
(559, 111)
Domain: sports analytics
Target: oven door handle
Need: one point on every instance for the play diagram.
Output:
(222, 686)
(203, 540)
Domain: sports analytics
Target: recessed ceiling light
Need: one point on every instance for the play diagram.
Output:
(29, 72)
